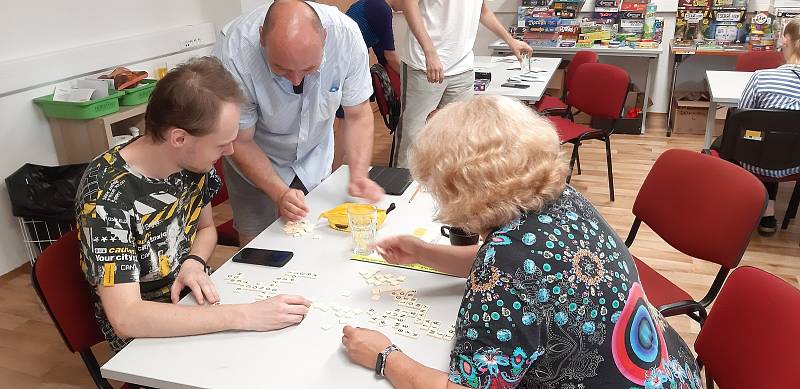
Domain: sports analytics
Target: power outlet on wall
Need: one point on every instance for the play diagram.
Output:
(190, 43)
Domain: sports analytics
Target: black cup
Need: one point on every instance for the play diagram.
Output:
(459, 237)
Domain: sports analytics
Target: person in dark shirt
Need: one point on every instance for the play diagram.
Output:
(145, 223)
(553, 298)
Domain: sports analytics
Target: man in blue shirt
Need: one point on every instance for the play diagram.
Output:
(296, 62)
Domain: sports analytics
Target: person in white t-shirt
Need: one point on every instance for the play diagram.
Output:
(437, 58)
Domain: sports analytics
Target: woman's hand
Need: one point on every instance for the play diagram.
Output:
(401, 249)
(363, 345)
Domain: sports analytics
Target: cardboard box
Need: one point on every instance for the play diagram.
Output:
(690, 117)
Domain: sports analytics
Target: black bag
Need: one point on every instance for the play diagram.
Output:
(45, 193)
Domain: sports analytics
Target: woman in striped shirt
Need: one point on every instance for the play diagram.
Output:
(776, 89)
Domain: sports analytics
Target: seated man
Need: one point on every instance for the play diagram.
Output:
(145, 221)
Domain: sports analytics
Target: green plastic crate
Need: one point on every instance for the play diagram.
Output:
(82, 110)
(139, 95)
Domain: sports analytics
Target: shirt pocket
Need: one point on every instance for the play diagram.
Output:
(331, 100)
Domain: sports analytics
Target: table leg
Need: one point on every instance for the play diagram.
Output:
(676, 62)
(710, 121)
(648, 88)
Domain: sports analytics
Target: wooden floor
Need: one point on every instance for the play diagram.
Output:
(32, 354)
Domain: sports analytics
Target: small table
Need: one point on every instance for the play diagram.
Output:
(679, 54)
(306, 355)
(726, 89)
(500, 74)
(650, 54)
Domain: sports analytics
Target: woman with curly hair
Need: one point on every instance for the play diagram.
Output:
(553, 298)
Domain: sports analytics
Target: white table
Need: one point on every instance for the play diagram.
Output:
(726, 89)
(650, 54)
(500, 74)
(303, 356)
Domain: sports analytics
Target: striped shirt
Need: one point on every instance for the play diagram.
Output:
(773, 89)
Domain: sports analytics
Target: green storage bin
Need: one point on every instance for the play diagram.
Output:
(82, 110)
(140, 94)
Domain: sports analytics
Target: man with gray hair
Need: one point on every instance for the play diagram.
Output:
(296, 63)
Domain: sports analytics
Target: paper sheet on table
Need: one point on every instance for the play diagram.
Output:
(375, 258)
(508, 58)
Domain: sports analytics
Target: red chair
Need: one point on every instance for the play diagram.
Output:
(63, 290)
(750, 337)
(387, 91)
(705, 208)
(550, 105)
(226, 232)
(599, 90)
(751, 61)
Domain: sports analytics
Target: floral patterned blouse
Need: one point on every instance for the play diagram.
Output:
(554, 301)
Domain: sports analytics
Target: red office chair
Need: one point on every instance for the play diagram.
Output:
(63, 290)
(705, 208)
(550, 105)
(226, 232)
(386, 86)
(599, 90)
(751, 61)
(750, 337)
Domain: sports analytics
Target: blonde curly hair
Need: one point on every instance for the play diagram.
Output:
(486, 161)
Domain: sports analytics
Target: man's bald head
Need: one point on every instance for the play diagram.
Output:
(289, 14)
(293, 38)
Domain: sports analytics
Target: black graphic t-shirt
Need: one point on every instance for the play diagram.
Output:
(136, 229)
(554, 301)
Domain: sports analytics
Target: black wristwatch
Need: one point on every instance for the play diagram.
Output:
(380, 363)
(196, 258)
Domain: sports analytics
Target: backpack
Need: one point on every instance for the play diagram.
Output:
(387, 96)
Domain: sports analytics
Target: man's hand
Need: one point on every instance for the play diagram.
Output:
(275, 313)
(363, 345)
(434, 68)
(400, 250)
(193, 275)
(292, 205)
(363, 187)
(520, 49)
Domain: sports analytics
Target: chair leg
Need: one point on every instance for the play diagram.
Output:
(94, 370)
(578, 161)
(791, 209)
(610, 171)
(572, 160)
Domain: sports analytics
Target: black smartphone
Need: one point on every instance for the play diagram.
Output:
(263, 257)
(513, 85)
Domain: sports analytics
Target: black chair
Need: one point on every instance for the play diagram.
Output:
(766, 138)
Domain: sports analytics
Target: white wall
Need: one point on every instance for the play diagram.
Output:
(36, 27)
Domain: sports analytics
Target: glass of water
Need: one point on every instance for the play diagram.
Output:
(363, 221)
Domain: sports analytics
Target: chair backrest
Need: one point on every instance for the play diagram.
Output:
(766, 138)
(386, 95)
(702, 206)
(599, 90)
(60, 284)
(580, 58)
(750, 337)
(751, 61)
(222, 193)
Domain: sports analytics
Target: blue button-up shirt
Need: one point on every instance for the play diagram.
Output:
(296, 130)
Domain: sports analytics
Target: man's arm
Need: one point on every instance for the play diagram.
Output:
(413, 17)
(489, 20)
(393, 60)
(132, 317)
(359, 126)
(255, 165)
(206, 239)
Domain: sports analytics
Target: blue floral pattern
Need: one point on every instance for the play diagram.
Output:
(553, 301)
